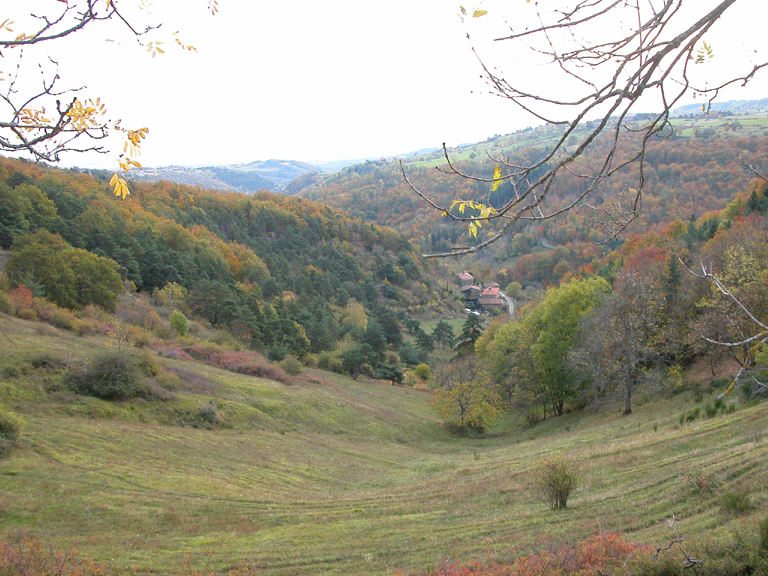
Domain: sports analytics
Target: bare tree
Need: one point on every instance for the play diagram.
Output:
(606, 57)
(751, 344)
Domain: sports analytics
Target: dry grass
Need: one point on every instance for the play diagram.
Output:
(333, 476)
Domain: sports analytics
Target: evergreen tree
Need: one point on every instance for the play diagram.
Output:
(470, 332)
(424, 341)
(443, 334)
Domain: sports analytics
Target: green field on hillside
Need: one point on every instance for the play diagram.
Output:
(335, 476)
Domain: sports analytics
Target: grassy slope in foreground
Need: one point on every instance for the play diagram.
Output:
(343, 477)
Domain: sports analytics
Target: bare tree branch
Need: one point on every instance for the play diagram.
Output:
(614, 69)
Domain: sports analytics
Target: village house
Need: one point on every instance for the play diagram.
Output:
(486, 297)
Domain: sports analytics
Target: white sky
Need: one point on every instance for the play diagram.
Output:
(314, 81)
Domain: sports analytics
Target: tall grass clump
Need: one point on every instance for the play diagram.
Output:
(555, 478)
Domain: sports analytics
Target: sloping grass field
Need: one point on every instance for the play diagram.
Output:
(333, 476)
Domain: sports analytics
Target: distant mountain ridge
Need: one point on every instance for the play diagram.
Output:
(271, 175)
(736, 106)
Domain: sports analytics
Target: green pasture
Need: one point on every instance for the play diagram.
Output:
(333, 476)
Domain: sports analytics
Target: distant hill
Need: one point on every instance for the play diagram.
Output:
(733, 106)
(271, 175)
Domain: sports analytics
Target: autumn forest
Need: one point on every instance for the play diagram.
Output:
(315, 394)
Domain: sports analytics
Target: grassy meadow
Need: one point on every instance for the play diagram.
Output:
(335, 476)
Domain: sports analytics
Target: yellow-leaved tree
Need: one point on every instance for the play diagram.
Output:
(44, 118)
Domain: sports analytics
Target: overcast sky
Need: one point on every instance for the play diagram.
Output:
(315, 81)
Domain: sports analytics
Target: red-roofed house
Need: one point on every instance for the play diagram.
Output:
(491, 298)
(466, 279)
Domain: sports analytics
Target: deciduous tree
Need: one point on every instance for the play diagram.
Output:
(466, 395)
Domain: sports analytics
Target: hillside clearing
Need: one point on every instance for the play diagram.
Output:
(344, 477)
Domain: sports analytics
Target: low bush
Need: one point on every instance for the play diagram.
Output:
(292, 365)
(5, 304)
(111, 375)
(192, 381)
(179, 323)
(555, 478)
(533, 417)
(173, 352)
(62, 319)
(603, 553)
(26, 314)
(11, 425)
(22, 554)
(423, 371)
(47, 361)
(210, 416)
(327, 361)
(700, 481)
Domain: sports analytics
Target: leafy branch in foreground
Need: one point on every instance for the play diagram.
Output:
(47, 121)
(607, 56)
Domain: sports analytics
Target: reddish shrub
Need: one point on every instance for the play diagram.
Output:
(22, 554)
(249, 363)
(173, 352)
(605, 552)
(22, 297)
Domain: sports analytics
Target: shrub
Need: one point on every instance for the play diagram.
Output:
(47, 361)
(110, 375)
(26, 314)
(5, 304)
(533, 417)
(701, 481)
(423, 371)
(179, 323)
(192, 381)
(173, 353)
(556, 477)
(10, 430)
(210, 415)
(22, 554)
(277, 352)
(327, 361)
(292, 365)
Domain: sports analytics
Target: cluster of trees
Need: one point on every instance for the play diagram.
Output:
(629, 326)
(285, 275)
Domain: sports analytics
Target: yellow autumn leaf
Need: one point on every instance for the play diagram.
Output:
(120, 186)
(496, 178)
(479, 13)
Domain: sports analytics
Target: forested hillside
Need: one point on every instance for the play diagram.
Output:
(694, 170)
(284, 274)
